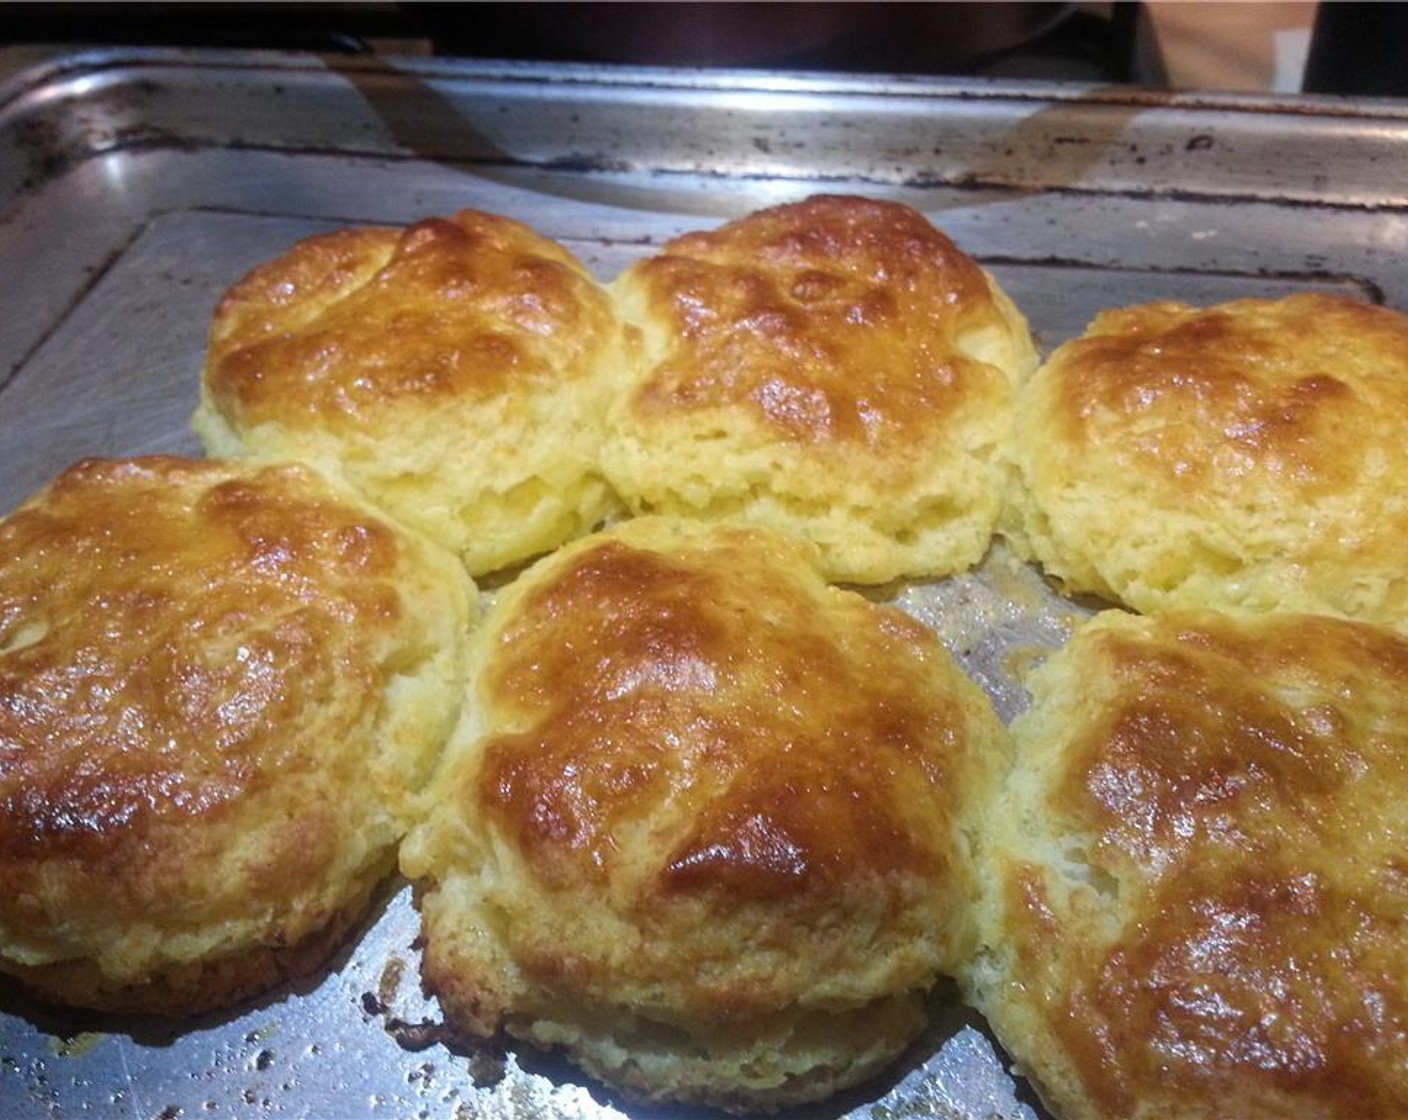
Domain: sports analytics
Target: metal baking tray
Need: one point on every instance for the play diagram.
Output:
(136, 185)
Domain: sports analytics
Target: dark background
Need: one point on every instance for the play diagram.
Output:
(1356, 48)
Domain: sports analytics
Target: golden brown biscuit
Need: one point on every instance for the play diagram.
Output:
(457, 372)
(835, 368)
(705, 824)
(1199, 872)
(220, 688)
(1250, 454)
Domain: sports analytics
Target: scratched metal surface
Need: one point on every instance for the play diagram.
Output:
(136, 185)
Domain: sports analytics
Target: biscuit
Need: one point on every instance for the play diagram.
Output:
(834, 368)
(221, 687)
(1198, 872)
(457, 372)
(1246, 455)
(705, 824)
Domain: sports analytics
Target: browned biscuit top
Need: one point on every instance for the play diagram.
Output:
(769, 760)
(1247, 455)
(168, 627)
(1292, 393)
(835, 320)
(347, 323)
(707, 822)
(1236, 794)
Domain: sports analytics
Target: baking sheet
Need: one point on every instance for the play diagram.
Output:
(135, 186)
